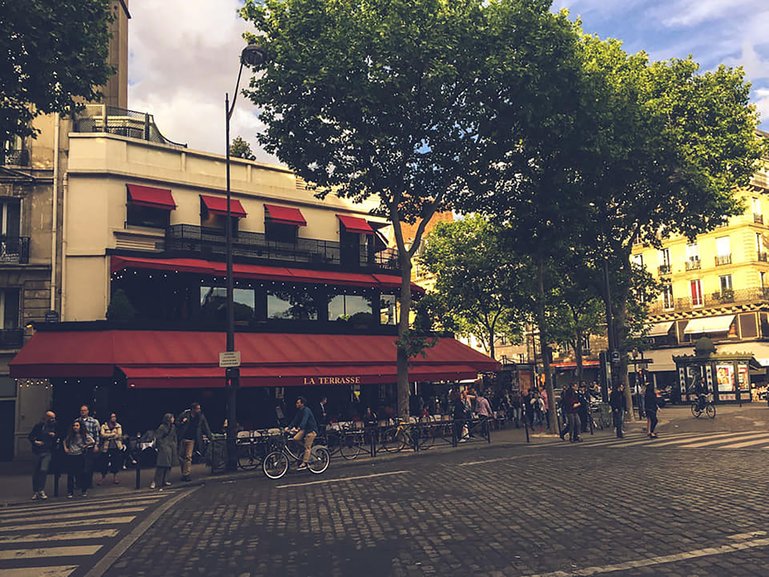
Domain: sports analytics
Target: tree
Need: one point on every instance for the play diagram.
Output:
(52, 54)
(476, 283)
(240, 148)
(387, 100)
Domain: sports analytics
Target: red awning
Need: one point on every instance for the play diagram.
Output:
(285, 215)
(150, 196)
(178, 359)
(218, 205)
(355, 224)
(261, 272)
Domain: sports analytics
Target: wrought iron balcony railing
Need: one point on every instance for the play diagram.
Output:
(762, 257)
(723, 259)
(758, 218)
(120, 121)
(14, 249)
(693, 264)
(210, 243)
(727, 296)
(14, 157)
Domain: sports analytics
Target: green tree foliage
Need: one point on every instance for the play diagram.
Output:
(51, 55)
(388, 99)
(477, 285)
(240, 148)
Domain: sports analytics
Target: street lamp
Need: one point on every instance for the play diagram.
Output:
(252, 55)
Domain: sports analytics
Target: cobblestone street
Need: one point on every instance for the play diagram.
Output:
(551, 511)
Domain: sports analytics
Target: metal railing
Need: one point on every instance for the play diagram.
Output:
(14, 249)
(11, 338)
(120, 121)
(664, 269)
(761, 179)
(723, 259)
(210, 242)
(758, 218)
(693, 264)
(727, 296)
(762, 257)
(14, 157)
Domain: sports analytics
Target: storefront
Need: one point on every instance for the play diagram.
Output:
(727, 376)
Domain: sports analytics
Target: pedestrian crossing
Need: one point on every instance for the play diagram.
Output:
(56, 538)
(755, 440)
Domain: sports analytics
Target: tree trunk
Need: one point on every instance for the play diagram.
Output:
(545, 346)
(578, 355)
(403, 387)
(492, 350)
(619, 331)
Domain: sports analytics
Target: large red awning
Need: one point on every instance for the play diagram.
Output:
(260, 272)
(285, 215)
(218, 205)
(355, 224)
(179, 359)
(150, 196)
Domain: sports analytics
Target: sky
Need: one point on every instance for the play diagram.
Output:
(183, 54)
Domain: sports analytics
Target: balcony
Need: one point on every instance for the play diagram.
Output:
(14, 157)
(120, 121)
(758, 218)
(716, 299)
(664, 269)
(723, 259)
(11, 338)
(762, 257)
(208, 243)
(761, 180)
(693, 264)
(725, 296)
(14, 250)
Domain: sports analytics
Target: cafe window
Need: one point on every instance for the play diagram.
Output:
(350, 307)
(280, 232)
(388, 310)
(138, 215)
(213, 304)
(292, 304)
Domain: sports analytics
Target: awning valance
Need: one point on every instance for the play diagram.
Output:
(260, 272)
(355, 224)
(150, 196)
(708, 325)
(659, 329)
(180, 359)
(218, 205)
(285, 215)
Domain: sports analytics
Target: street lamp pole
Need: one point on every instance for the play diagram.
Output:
(252, 55)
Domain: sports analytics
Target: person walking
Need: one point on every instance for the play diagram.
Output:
(166, 446)
(92, 428)
(544, 406)
(193, 431)
(484, 412)
(584, 409)
(572, 405)
(43, 439)
(652, 406)
(305, 428)
(111, 435)
(77, 444)
(618, 407)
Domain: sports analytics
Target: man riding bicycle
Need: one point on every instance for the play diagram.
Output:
(304, 427)
(700, 391)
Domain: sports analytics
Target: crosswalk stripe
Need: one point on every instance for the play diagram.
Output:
(677, 438)
(70, 515)
(710, 443)
(48, 505)
(76, 523)
(66, 535)
(758, 440)
(61, 571)
(626, 441)
(70, 551)
(664, 442)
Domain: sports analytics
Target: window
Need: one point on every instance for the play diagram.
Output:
(760, 247)
(761, 279)
(757, 212)
(387, 310)
(696, 290)
(723, 246)
(350, 307)
(279, 232)
(213, 304)
(638, 260)
(667, 296)
(137, 215)
(293, 304)
(9, 308)
(664, 260)
(726, 283)
(10, 219)
(692, 252)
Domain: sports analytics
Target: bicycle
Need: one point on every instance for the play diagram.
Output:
(703, 405)
(253, 446)
(346, 439)
(396, 438)
(276, 463)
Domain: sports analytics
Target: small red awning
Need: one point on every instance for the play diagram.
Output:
(218, 205)
(285, 215)
(150, 196)
(180, 359)
(355, 224)
(261, 272)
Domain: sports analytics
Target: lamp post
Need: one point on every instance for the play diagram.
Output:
(252, 55)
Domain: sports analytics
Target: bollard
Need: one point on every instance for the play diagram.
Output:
(56, 478)
(526, 428)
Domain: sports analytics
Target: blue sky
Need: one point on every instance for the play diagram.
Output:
(184, 54)
(732, 32)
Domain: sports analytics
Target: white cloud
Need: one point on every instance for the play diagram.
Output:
(183, 59)
(762, 102)
(686, 13)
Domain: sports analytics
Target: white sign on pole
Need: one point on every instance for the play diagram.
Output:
(229, 359)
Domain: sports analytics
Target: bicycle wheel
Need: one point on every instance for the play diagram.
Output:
(350, 446)
(393, 440)
(711, 411)
(247, 459)
(275, 464)
(426, 438)
(319, 460)
(696, 411)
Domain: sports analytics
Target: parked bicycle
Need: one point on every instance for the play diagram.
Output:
(703, 405)
(276, 463)
(396, 438)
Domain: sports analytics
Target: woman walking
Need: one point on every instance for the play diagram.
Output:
(651, 406)
(111, 436)
(165, 443)
(76, 443)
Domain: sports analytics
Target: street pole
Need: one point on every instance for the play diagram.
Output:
(252, 55)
